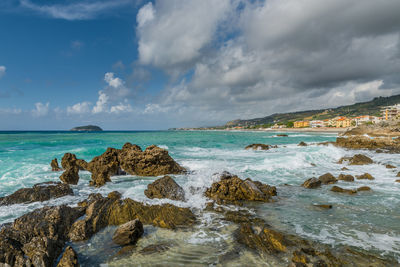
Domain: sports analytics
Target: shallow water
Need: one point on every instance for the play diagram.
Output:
(368, 220)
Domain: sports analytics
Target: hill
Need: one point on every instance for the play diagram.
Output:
(365, 108)
(87, 128)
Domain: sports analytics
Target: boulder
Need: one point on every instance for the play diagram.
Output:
(71, 166)
(327, 178)
(397, 181)
(302, 144)
(39, 192)
(398, 174)
(54, 165)
(128, 233)
(104, 211)
(259, 147)
(311, 183)
(342, 190)
(282, 135)
(358, 159)
(69, 258)
(346, 177)
(389, 166)
(70, 176)
(37, 238)
(104, 166)
(364, 188)
(165, 187)
(324, 206)
(365, 176)
(231, 189)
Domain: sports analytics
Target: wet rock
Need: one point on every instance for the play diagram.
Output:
(39, 192)
(231, 189)
(165, 187)
(346, 177)
(344, 169)
(128, 233)
(114, 195)
(389, 166)
(364, 188)
(397, 181)
(327, 178)
(156, 248)
(313, 164)
(365, 176)
(92, 198)
(111, 211)
(69, 258)
(71, 166)
(104, 166)
(37, 238)
(259, 147)
(282, 135)
(342, 190)
(54, 165)
(357, 159)
(311, 183)
(324, 206)
(302, 144)
(363, 142)
(398, 174)
(70, 176)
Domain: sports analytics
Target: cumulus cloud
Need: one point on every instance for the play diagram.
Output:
(79, 108)
(40, 109)
(2, 71)
(278, 55)
(78, 10)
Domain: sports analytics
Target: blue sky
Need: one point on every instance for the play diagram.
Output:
(132, 65)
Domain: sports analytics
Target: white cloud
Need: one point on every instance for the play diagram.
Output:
(79, 108)
(41, 109)
(82, 10)
(101, 104)
(2, 71)
(121, 108)
(14, 111)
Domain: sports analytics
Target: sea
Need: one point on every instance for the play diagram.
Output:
(367, 221)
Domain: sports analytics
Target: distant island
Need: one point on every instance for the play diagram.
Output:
(87, 128)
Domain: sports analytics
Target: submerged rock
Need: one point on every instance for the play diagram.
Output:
(128, 233)
(69, 258)
(324, 206)
(342, 190)
(165, 187)
(346, 177)
(344, 169)
(365, 176)
(54, 165)
(358, 159)
(39, 192)
(282, 135)
(302, 144)
(364, 188)
(104, 211)
(231, 189)
(327, 178)
(311, 183)
(259, 147)
(389, 166)
(156, 248)
(37, 238)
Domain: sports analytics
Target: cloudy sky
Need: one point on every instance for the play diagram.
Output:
(136, 64)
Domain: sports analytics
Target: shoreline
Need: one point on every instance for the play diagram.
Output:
(289, 130)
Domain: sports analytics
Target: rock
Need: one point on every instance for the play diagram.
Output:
(104, 166)
(156, 248)
(365, 176)
(397, 181)
(38, 237)
(71, 166)
(324, 206)
(259, 147)
(165, 187)
(302, 144)
(70, 176)
(364, 188)
(54, 165)
(389, 166)
(357, 159)
(311, 183)
(39, 192)
(114, 195)
(282, 135)
(342, 190)
(363, 142)
(327, 178)
(398, 174)
(313, 164)
(128, 233)
(344, 169)
(69, 258)
(105, 211)
(346, 177)
(231, 189)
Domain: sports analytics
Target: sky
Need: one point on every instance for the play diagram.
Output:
(148, 65)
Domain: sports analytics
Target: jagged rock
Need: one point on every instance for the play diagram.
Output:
(37, 238)
(39, 192)
(104, 166)
(342, 190)
(69, 258)
(364, 188)
(231, 189)
(344, 169)
(165, 187)
(324, 206)
(363, 142)
(389, 166)
(365, 176)
(259, 147)
(357, 159)
(105, 211)
(311, 183)
(71, 166)
(302, 144)
(70, 176)
(346, 177)
(128, 233)
(54, 165)
(327, 178)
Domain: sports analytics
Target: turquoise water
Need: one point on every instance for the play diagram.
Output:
(369, 220)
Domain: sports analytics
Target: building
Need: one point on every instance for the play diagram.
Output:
(317, 123)
(390, 112)
(301, 124)
(364, 119)
(343, 122)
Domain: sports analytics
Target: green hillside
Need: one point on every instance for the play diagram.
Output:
(365, 108)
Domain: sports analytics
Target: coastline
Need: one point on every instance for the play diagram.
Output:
(289, 130)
